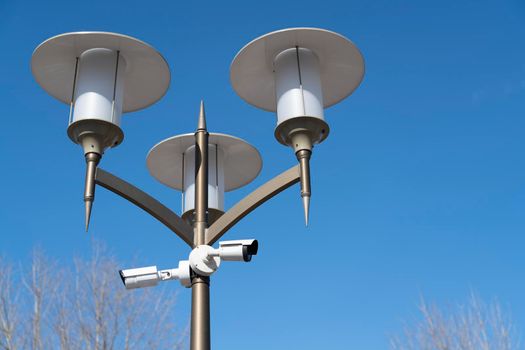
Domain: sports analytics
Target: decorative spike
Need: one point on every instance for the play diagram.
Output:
(92, 160)
(89, 204)
(304, 162)
(306, 205)
(202, 118)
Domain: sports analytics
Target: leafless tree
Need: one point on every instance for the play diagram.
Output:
(82, 307)
(8, 308)
(473, 326)
(41, 289)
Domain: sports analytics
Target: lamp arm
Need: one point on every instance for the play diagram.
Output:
(147, 203)
(249, 203)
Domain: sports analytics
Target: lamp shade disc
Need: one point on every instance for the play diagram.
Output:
(242, 161)
(146, 78)
(341, 65)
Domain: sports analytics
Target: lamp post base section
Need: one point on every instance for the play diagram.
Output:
(200, 313)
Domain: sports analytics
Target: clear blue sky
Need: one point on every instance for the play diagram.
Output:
(419, 190)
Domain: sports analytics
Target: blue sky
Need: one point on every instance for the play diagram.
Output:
(419, 190)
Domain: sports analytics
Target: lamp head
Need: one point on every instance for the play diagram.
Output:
(232, 162)
(296, 73)
(101, 76)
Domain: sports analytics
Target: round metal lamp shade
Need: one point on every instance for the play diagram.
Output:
(341, 65)
(242, 161)
(146, 77)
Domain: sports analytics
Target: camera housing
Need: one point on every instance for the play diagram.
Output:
(140, 277)
(205, 260)
(238, 250)
(149, 276)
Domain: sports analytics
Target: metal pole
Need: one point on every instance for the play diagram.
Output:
(200, 285)
(200, 313)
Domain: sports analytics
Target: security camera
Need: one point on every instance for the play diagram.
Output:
(140, 277)
(150, 276)
(240, 250)
(205, 260)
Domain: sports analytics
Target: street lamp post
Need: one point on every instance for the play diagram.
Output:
(200, 285)
(294, 72)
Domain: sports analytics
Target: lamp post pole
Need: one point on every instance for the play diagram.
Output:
(200, 285)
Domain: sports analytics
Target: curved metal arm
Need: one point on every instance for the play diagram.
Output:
(252, 201)
(147, 203)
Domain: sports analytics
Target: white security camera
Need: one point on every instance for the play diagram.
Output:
(140, 277)
(150, 276)
(239, 250)
(205, 260)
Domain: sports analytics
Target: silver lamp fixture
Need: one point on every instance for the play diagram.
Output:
(297, 73)
(101, 76)
(232, 163)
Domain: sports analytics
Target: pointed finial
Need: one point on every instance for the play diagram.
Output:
(92, 160)
(202, 118)
(304, 162)
(306, 205)
(89, 204)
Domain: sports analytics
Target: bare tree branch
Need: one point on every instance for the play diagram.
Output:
(8, 308)
(474, 326)
(84, 308)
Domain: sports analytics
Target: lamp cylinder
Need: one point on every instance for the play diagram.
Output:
(98, 96)
(99, 86)
(299, 99)
(298, 85)
(215, 179)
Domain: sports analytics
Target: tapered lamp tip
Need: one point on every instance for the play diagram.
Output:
(202, 118)
(306, 205)
(92, 160)
(89, 204)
